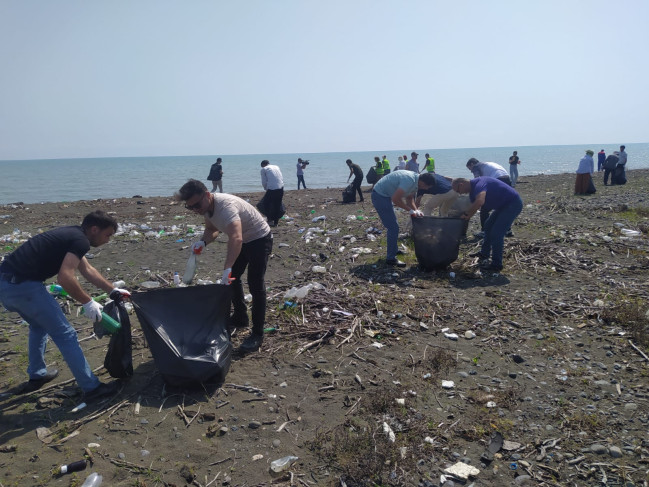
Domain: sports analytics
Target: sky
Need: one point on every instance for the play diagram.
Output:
(118, 78)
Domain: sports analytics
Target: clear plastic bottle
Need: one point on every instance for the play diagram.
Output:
(176, 279)
(93, 480)
(190, 270)
(282, 464)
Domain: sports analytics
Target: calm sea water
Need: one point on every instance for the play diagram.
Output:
(34, 181)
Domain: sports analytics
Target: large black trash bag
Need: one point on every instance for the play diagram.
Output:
(437, 240)
(349, 194)
(119, 358)
(187, 332)
(261, 206)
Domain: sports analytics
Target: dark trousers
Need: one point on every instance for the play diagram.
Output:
(300, 179)
(484, 214)
(253, 255)
(357, 186)
(608, 172)
(274, 204)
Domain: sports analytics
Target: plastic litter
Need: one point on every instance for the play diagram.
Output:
(282, 464)
(190, 269)
(73, 467)
(93, 480)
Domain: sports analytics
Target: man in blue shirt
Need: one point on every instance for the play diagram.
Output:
(601, 157)
(439, 195)
(398, 188)
(505, 205)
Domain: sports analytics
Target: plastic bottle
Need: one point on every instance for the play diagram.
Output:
(176, 279)
(190, 270)
(93, 480)
(73, 467)
(110, 324)
(57, 289)
(283, 463)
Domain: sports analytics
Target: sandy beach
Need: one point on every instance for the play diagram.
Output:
(537, 376)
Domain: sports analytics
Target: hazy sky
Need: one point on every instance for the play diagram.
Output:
(159, 77)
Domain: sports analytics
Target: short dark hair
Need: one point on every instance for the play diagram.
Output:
(189, 189)
(348, 161)
(623, 147)
(377, 158)
(264, 163)
(99, 219)
(471, 162)
(218, 159)
(427, 178)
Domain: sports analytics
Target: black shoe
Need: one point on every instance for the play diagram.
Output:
(478, 254)
(35, 384)
(251, 343)
(395, 262)
(102, 390)
(493, 268)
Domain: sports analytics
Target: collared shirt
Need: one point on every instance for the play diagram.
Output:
(489, 169)
(229, 208)
(622, 157)
(271, 177)
(412, 165)
(586, 165)
(388, 184)
(498, 194)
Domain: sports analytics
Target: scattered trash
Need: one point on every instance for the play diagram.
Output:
(282, 464)
(462, 471)
(93, 480)
(389, 433)
(448, 384)
(72, 467)
(319, 269)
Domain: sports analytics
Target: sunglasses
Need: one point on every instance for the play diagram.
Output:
(195, 206)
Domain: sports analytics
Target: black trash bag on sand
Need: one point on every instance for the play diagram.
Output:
(261, 206)
(349, 194)
(437, 240)
(119, 358)
(186, 329)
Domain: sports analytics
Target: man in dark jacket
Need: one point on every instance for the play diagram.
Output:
(356, 171)
(216, 176)
(609, 166)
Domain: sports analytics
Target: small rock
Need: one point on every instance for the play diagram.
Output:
(598, 449)
(253, 425)
(469, 335)
(615, 452)
(448, 384)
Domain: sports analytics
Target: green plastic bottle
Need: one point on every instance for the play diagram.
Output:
(110, 324)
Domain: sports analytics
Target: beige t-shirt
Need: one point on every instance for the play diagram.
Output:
(229, 208)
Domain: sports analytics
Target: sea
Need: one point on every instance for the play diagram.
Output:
(60, 180)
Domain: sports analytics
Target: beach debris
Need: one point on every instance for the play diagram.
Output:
(150, 284)
(282, 464)
(448, 384)
(462, 471)
(388, 432)
(451, 336)
(319, 269)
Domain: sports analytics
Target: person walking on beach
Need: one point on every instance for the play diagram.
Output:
(399, 189)
(430, 164)
(601, 158)
(250, 243)
(356, 171)
(492, 170)
(514, 161)
(301, 166)
(585, 170)
(273, 183)
(58, 252)
(216, 175)
(412, 164)
(504, 205)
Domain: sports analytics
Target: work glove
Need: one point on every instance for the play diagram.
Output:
(227, 277)
(197, 247)
(118, 293)
(416, 213)
(92, 309)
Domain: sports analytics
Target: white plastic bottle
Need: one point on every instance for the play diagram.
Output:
(93, 480)
(190, 270)
(283, 463)
(176, 279)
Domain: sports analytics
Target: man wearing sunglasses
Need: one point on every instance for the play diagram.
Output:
(250, 243)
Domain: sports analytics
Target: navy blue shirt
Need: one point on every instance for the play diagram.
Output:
(441, 186)
(498, 194)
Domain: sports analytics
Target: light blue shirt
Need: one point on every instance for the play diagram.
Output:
(622, 157)
(586, 165)
(406, 180)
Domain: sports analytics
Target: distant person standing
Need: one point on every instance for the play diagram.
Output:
(356, 171)
(216, 176)
(430, 164)
(619, 176)
(622, 156)
(584, 174)
(514, 161)
(412, 164)
(386, 165)
(301, 166)
(273, 183)
(402, 164)
(601, 158)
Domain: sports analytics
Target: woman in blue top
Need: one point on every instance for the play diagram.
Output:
(491, 194)
(398, 188)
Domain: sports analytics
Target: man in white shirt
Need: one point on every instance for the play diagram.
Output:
(492, 170)
(273, 183)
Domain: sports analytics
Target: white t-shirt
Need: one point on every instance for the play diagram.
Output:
(271, 177)
(229, 208)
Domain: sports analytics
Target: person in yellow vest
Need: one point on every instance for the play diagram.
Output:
(430, 164)
(386, 166)
(379, 169)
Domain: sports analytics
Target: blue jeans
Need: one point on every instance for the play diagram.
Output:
(300, 179)
(513, 173)
(495, 228)
(37, 307)
(384, 208)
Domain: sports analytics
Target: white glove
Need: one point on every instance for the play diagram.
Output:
(227, 277)
(416, 213)
(123, 292)
(92, 310)
(197, 247)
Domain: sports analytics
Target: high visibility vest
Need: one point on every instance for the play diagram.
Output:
(379, 169)
(386, 165)
(430, 164)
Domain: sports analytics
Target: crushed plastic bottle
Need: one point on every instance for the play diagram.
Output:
(282, 464)
(319, 269)
(57, 290)
(93, 480)
(190, 270)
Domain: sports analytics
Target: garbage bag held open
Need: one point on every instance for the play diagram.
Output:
(437, 240)
(187, 332)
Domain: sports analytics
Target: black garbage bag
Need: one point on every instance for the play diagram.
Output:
(371, 176)
(261, 206)
(119, 358)
(349, 194)
(437, 240)
(619, 175)
(187, 332)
